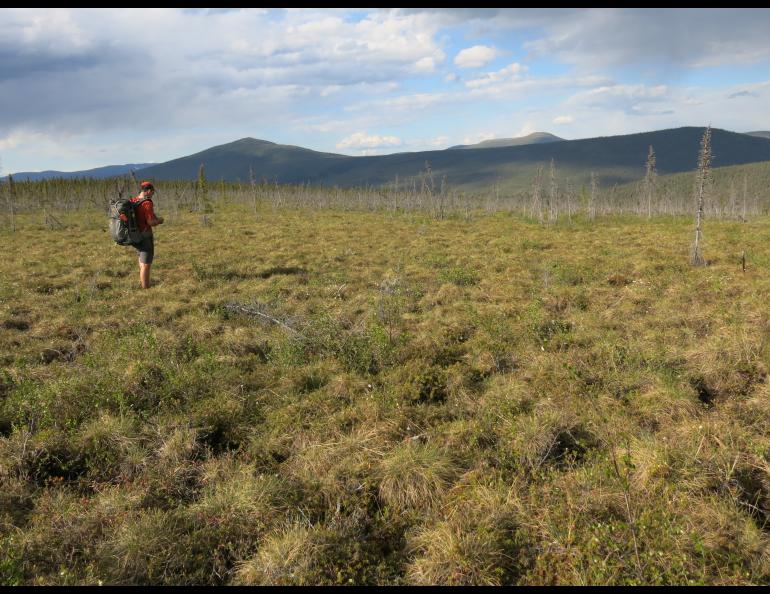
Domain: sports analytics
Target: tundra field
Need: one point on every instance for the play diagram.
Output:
(328, 396)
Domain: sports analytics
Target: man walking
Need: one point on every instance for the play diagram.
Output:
(146, 220)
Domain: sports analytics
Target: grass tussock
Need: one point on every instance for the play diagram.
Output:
(475, 543)
(414, 476)
(287, 558)
(476, 400)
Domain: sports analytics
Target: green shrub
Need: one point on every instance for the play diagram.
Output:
(462, 277)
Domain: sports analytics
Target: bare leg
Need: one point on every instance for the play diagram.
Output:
(144, 275)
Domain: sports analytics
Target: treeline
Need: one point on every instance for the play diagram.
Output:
(737, 192)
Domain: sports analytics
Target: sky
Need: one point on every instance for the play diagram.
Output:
(85, 88)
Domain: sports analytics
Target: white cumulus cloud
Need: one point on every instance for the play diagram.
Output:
(479, 137)
(528, 128)
(476, 56)
(362, 140)
(489, 78)
(563, 119)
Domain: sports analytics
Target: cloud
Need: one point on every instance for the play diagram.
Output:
(511, 71)
(199, 76)
(595, 38)
(426, 144)
(27, 141)
(76, 70)
(362, 140)
(564, 119)
(527, 129)
(404, 103)
(475, 57)
(522, 87)
(439, 141)
(742, 94)
(632, 99)
(479, 137)
(669, 37)
(636, 108)
(500, 86)
(483, 21)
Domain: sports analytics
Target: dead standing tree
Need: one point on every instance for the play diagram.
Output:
(568, 197)
(593, 197)
(650, 179)
(204, 202)
(745, 193)
(537, 190)
(553, 197)
(702, 181)
(253, 185)
(11, 200)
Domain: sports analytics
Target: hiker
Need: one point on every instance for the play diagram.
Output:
(146, 220)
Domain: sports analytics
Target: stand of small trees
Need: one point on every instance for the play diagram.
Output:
(737, 193)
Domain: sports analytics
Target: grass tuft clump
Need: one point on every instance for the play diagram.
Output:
(476, 543)
(289, 557)
(413, 477)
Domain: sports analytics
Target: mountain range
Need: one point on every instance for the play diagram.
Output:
(614, 159)
(97, 173)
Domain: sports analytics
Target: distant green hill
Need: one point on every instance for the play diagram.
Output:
(534, 138)
(760, 134)
(97, 173)
(614, 159)
(235, 161)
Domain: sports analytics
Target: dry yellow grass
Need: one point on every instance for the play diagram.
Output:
(383, 398)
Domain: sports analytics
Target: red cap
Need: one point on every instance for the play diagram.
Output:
(147, 185)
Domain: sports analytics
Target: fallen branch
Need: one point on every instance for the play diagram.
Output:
(247, 310)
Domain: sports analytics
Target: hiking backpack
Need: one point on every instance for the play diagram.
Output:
(124, 229)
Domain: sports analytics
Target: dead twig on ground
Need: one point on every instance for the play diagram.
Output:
(250, 310)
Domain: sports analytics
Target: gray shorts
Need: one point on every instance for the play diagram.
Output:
(146, 248)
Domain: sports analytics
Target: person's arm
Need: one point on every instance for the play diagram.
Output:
(152, 220)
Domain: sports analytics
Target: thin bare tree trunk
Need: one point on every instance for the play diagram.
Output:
(592, 197)
(11, 193)
(704, 163)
